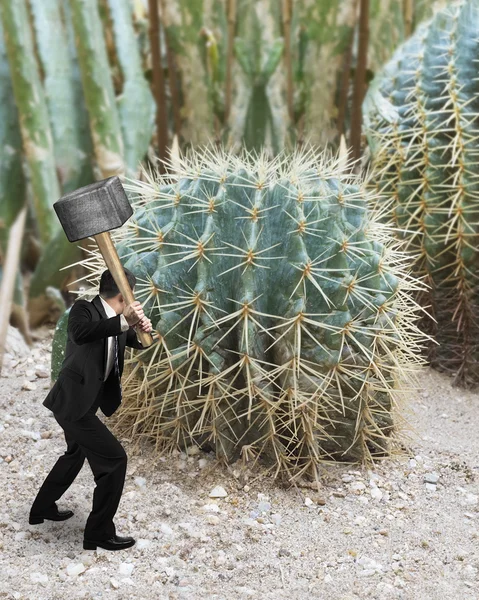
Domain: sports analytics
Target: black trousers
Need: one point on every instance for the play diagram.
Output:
(88, 438)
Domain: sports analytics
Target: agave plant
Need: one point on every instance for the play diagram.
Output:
(282, 311)
(421, 118)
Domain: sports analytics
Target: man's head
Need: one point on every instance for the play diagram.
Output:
(109, 291)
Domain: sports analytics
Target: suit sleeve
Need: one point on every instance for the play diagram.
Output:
(83, 330)
(132, 340)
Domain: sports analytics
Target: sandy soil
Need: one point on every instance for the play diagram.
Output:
(387, 533)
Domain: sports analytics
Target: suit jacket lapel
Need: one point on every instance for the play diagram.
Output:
(99, 306)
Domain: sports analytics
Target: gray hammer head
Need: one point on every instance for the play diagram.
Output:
(94, 208)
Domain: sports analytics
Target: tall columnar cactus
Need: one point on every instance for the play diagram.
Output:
(284, 324)
(422, 121)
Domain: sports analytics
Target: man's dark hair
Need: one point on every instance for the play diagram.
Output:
(108, 287)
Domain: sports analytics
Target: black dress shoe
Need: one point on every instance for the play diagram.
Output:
(54, 515)
(114, 543)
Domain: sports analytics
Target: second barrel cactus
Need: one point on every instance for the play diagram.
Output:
(422, 121)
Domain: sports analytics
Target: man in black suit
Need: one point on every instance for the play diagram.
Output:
(90, 377)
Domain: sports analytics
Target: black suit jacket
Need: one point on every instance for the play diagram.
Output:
(83, 368)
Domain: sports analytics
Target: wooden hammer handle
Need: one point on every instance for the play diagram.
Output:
(112, 260)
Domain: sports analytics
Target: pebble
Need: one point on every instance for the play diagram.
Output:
(140, 481)
(166, 529)
(357, 486)
(114, 583)
(218, 492)
(74, 569)
(126, 569)
(264, 506)
(39, 577)
(308, 502)
(370, 566)
(42, 373)
(376, 493)
(211, 508)
(471, 499)
(29, 386)
(275, 518)
(431, 477)
(212, 519)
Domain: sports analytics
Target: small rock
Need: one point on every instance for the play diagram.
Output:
(246, 488)
(308, 501)
(126, 569)
(376, 493)
(202, 463)
(212, 519)
(431, 477)
(431, 486)
(42, 373)
(276, 518)
(29, 386)
(74, 569)
(358, 486)
(211, 508)
(264, 506)
(140, 481)
(471, 499)
(39, 577)
(218, 492)
(114, 583)
(166, 529)
(46, 435)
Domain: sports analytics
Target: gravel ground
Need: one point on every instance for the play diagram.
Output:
(409, 529)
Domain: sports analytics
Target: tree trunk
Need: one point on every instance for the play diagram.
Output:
(287, 12)
(158, 85)
(231, 8)
(360, 80)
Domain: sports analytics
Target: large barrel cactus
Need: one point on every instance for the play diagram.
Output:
(422, 122)
(282, 311)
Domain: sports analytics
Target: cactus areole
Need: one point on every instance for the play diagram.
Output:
(282, 308)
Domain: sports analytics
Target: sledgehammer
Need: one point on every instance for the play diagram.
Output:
(92, 211)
